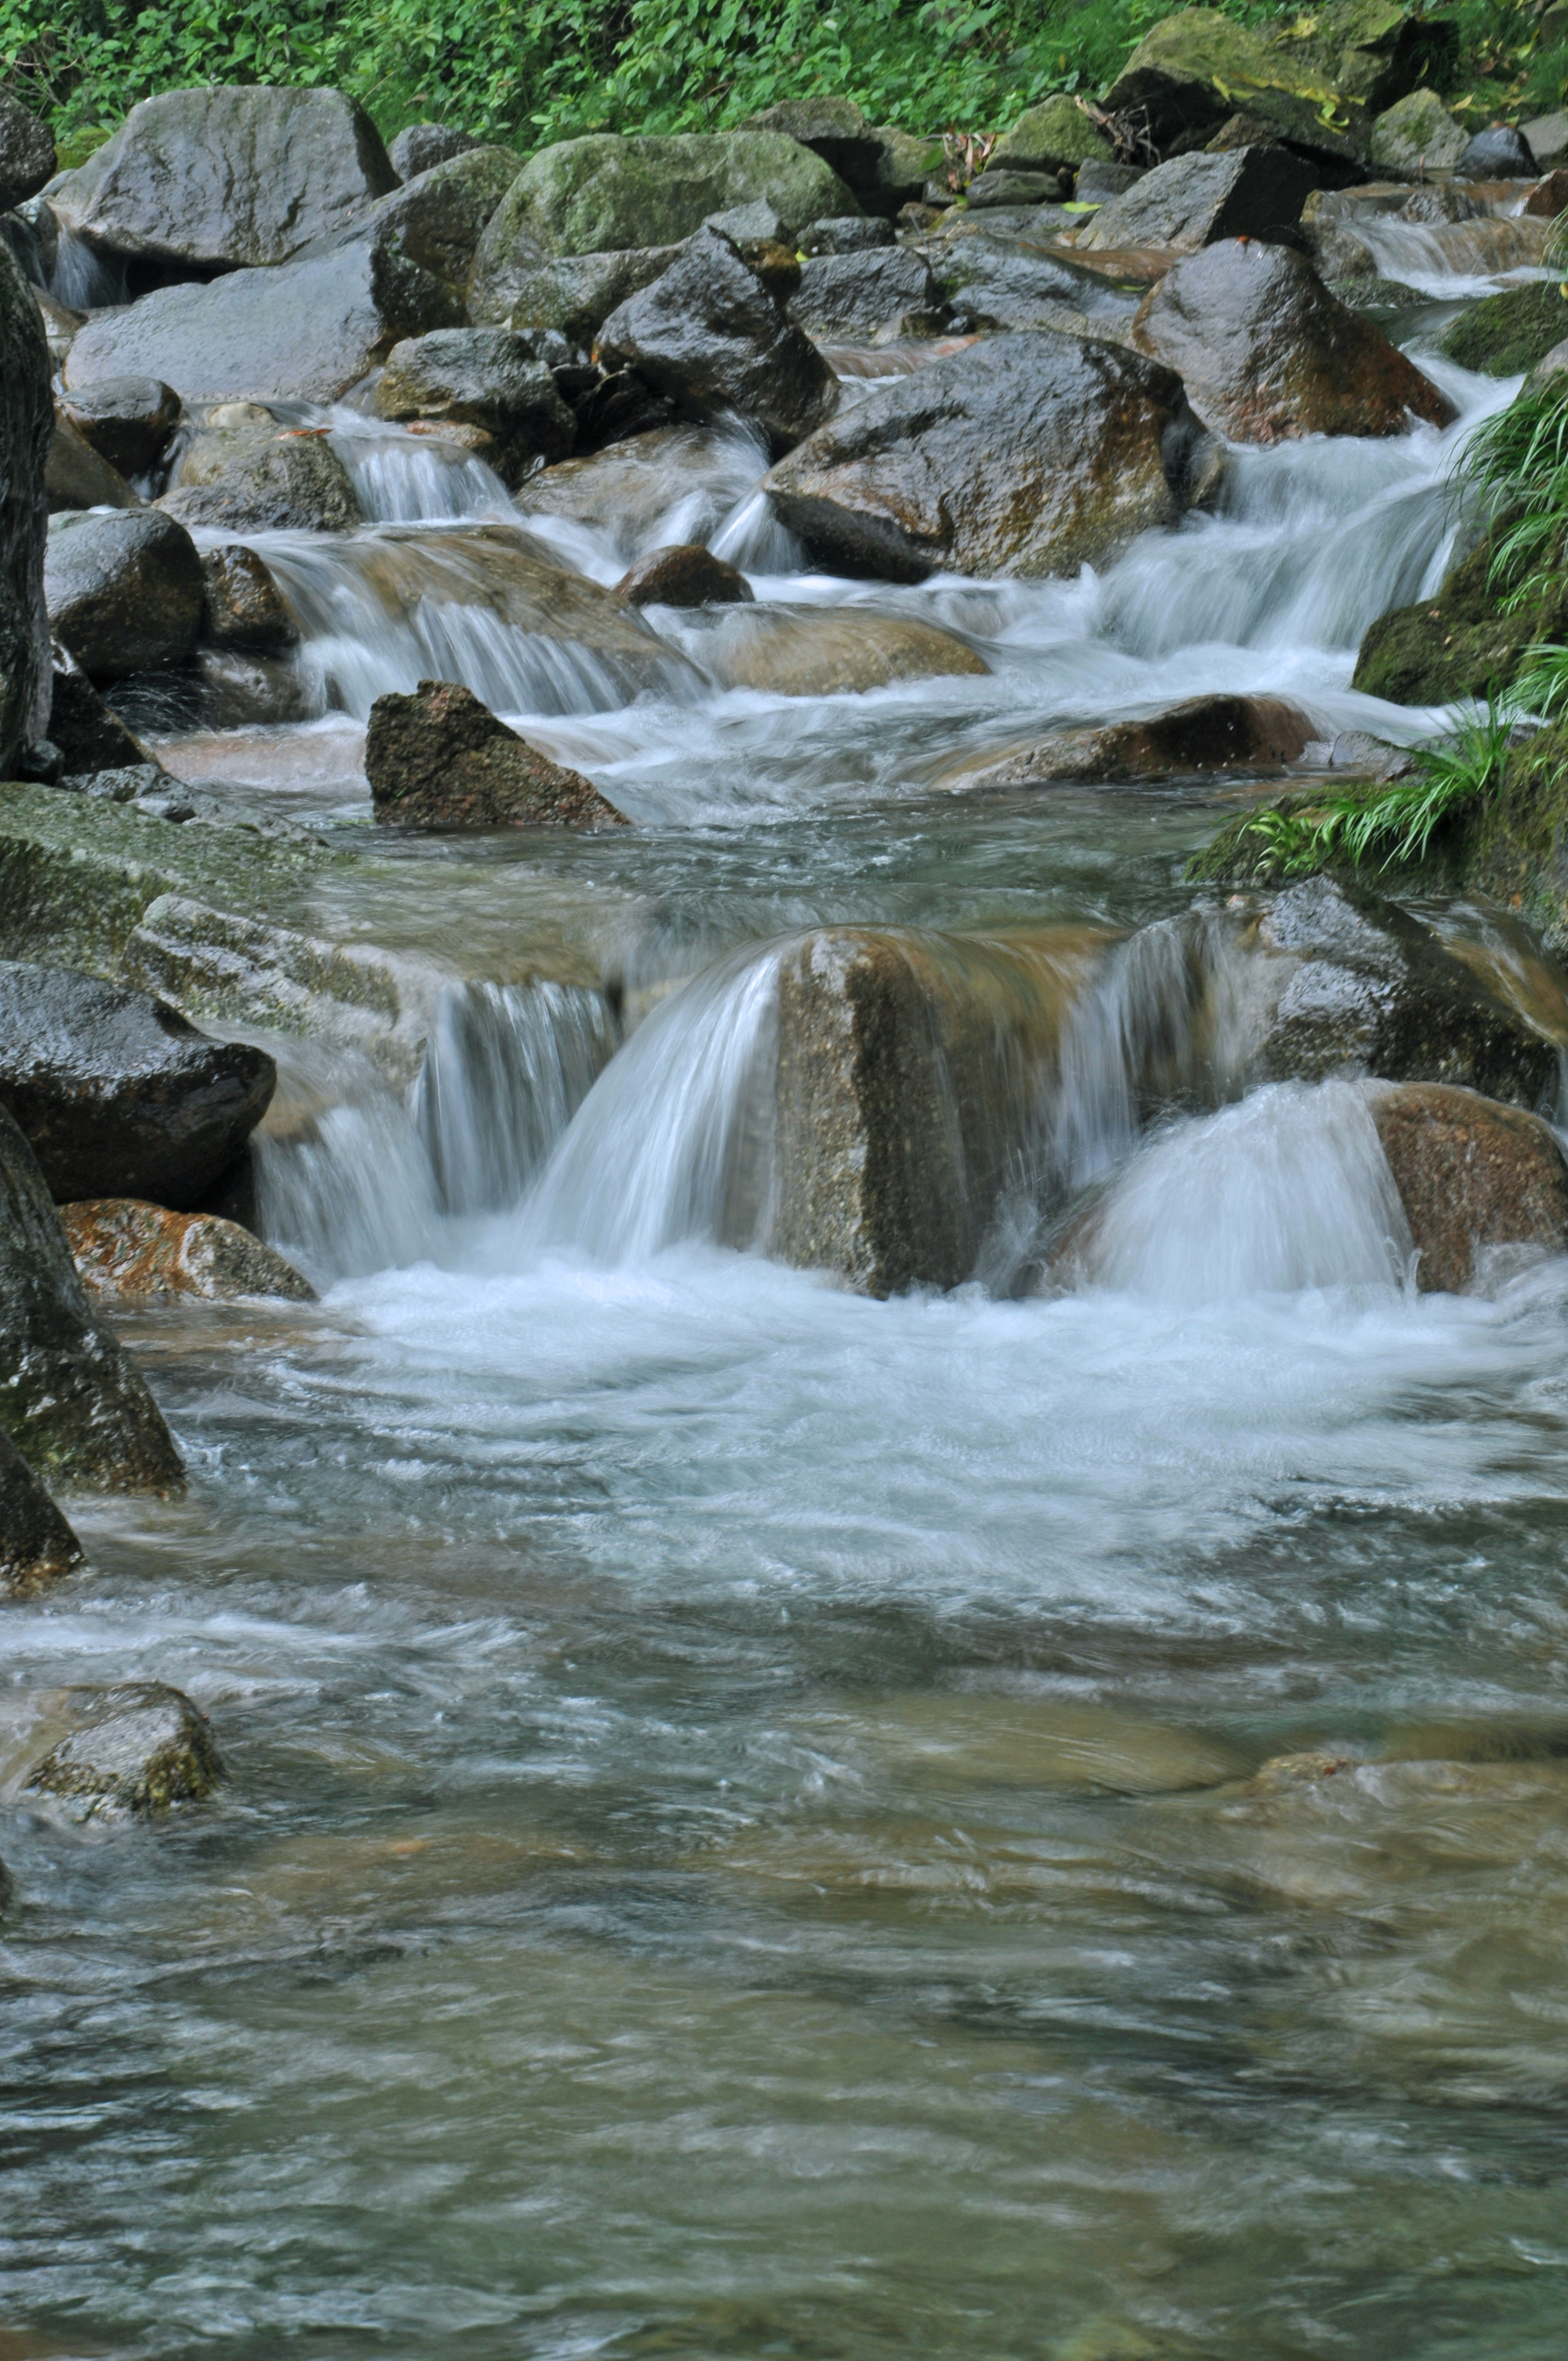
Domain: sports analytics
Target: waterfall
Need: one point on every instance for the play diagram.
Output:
(401, 479)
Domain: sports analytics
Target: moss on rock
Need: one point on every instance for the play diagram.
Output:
(1504, 334)
(1460, 643)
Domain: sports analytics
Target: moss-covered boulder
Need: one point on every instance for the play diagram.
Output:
(1059, 133)
(1199, 66)
(1460, 643)
(1415, 137)
(1504, 334)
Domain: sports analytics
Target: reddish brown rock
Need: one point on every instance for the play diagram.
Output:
(1266, 353)
(685, 575)
(123, 1247)
(1471, 1174)
(439, 759)
(1205, 733)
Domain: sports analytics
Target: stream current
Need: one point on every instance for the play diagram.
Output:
(744, 1835)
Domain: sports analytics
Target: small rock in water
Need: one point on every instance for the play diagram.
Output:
(89, 734)
(1472, 1176)
(140, 1750)
(485, 378)
(123, 1247)
(258, 479)
(439, 759)
(36, 1542)
(847, 297)
(420, 146)
(1498, 154)
(124, 785)
(787, 652)
(684, 576)
(241, 605)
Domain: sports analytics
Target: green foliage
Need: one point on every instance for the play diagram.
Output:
(1393, 827)
(1515, 465)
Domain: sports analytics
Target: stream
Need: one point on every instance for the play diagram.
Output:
(743, 1835)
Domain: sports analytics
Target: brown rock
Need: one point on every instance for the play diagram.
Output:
(833, 652)
(439, 759)
(36, 1542)
(1266, 353)
(241, 604)
(1471, 1174)
(685, 575)
(1205, 733)
(122, 1245)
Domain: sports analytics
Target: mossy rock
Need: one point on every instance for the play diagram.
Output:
(1054, 133)
(1515, 848)
(1504, 334)
(1460, 643)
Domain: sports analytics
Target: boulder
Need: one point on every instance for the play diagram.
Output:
(137, 1752)
(1029, 455)
(116, 1094)
(995, 189)
(572, 293)
(1267, 354)
(833, 129)
(993, 282)
(241, 605)
(1373, 52)
(419, 146)
(434, 222)
(1506, 333)
(123, 590)
(1373, 991)
(1417, 137)
(128, 420)
(628, 490)
(60, 327)
(1196, 199)
(714, 339)
(831, 652)
(439, 759)
(905, 164)
(236, 690)
(26, 153)
(684, 576)
(606, 194)
(485, 378)
(1547, 139)
(36, 1542)
(1057, 135)
(848, 234)
(1204, 733)
(123, 1246)
(89, 735)
(1199, 67)
(1095, 183)
(211, 180)
(76, 478)
(1500, 153)
(863, 298)
(260, 478)
(70, 1398)
(1472, 1175)
(26, 426)
(1463, 642)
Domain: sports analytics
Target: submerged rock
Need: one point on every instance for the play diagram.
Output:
(241, 607)
(70, 1398)
(1197, 200)
(1266, 353)
(123, 590)
(123, 1247)
(36, 1542)
(1204, 733)
(833, 653)
(1471, 1176)
(486, 378)
(439, 759)
(117, 1095)
(1029, 455)
(684, 576)
(137, 1752)
(258, 477)
(27, 425)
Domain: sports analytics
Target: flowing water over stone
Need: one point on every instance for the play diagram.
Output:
(1030, 1819)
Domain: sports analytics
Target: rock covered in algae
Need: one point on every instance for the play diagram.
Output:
(123, 1246)
(36, 1542)
(1473, 1176)
(439, 759)
(137, 1752)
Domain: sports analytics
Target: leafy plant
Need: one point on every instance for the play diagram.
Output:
(1394, 826)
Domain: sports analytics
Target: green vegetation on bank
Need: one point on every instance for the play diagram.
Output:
(536, 70)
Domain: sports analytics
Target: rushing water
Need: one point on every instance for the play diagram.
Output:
(745, 1834)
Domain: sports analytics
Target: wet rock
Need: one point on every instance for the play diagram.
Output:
(1057, 135)
(1417, 137)
(993, 283)
(833, 129)
(419, 146)
(992, 188)
(236, 690)
(1506, 333)
(851, 298)
(711, 337)
(70, 1398)
(850, 233)
(905, 162)
(1500, 153)
(26, 153)
(128, 420)
(606, 194)
(684, 576)
(138, 1751)
(630, 489)
(1196, 199)
(1028, 454)
(241, 605)
(1096, 183)
(434, 225)
(217, 179)
(1471, 1176)
(76, 478)
(89, 735)
(261, 479)
(1205, 733)
(1547, 139)
(572, 293)
(60, 325)
(1461, 644)
(485, 378)
(36, 1542)
(829, 654)
(126, 1248)
(123, 590)
(1266, 353)
(27, 425)
(1377, 993)
(1197, 69)
(116, 1094)
(439, 759)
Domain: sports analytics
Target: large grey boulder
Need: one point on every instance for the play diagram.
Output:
(486, 378)
(255, 476)
(26, 153)
(116, 1094)
(70, 1398)
(26, 427)
(1193, 201)
(122, 589)
(36, 1542)
(999, 282)
(227, 177)
(1027, 454)
(714, 338)
(849, 298)
(436, 220)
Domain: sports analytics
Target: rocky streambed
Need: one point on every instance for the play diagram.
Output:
(785, 1541)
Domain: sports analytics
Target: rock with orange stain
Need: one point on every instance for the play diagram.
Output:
(123, 1246)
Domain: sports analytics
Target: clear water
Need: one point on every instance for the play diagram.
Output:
(744, 1835)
